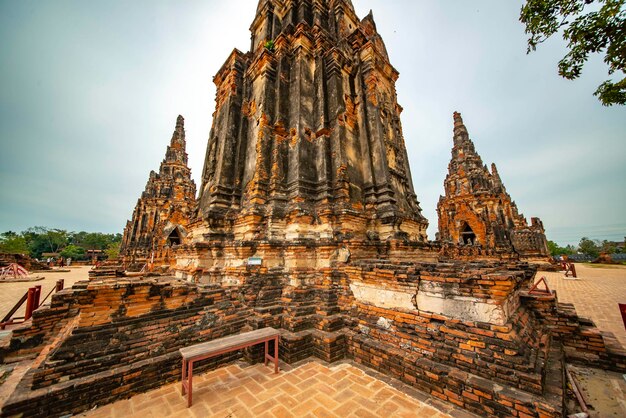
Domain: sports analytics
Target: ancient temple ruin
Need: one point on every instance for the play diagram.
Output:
(165, 207)
(477, 210)
(307, 221)
(306, 139)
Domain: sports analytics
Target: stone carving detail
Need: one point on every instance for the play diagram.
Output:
(164, 209)
(477, 210)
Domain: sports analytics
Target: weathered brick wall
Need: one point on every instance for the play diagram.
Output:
(491, 351)
(125, 336)
(582, 341)
(28, 339)
(77, 395)
(474, 393)
(528, 243)
(125, 341)
(142, 321)
(475, 252)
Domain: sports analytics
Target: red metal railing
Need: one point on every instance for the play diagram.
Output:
(57, 288)
(33, 301)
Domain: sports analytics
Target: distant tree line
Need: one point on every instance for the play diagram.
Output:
(38, 240)
(589, 247)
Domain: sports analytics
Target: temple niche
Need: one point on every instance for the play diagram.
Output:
(477, 210)
(164, 209)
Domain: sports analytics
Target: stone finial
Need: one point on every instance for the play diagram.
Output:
(369, 25)
(495, 174)
(178, 137)
(460, 131)
(497, 181)
(458, 122)
(457, 118)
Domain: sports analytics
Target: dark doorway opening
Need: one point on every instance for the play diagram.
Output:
(174, 238)
(467, 235)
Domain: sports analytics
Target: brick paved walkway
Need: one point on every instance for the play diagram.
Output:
(11, 292)
(595, 295)
(311, 390)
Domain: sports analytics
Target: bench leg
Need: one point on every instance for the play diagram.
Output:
(189, 384)
(266, 352)
(275, 354)
(184, 377)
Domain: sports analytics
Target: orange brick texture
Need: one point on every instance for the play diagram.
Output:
(109, 340)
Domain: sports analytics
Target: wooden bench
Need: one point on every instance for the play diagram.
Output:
(222, 346)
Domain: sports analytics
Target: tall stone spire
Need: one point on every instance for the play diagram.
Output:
(461, 135)
(176, 151)
(165, 207)
(464, 153)
(307, 126)
(476, 208)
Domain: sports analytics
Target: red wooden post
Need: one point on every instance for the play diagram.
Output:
(37, 297)
(30, 301)
(60, 284)
(190, 384)
(276, 354)
(622, 308)
(184, 377)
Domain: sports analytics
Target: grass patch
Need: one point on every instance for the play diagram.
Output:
(605, 266)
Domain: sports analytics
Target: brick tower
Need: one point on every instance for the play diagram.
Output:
(477, 210)
(162, 213)
(306, 139)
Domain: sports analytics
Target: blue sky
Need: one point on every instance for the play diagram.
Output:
(90, 92)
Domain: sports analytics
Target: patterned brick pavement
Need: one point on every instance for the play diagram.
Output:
(311, 390)
(11, 292)
(595, 295)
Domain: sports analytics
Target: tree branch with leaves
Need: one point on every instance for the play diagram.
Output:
(588, 26)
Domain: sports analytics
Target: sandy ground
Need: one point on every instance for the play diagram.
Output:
(604, 392)
(11, 292)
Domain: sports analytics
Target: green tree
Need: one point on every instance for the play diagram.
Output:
(41, 240)
(552, 247)
(113, 250)
(12, 243)
(588, 247)
(588, 26)
(556, 250)
(73, 251)
(94, 240)
(608, 247)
